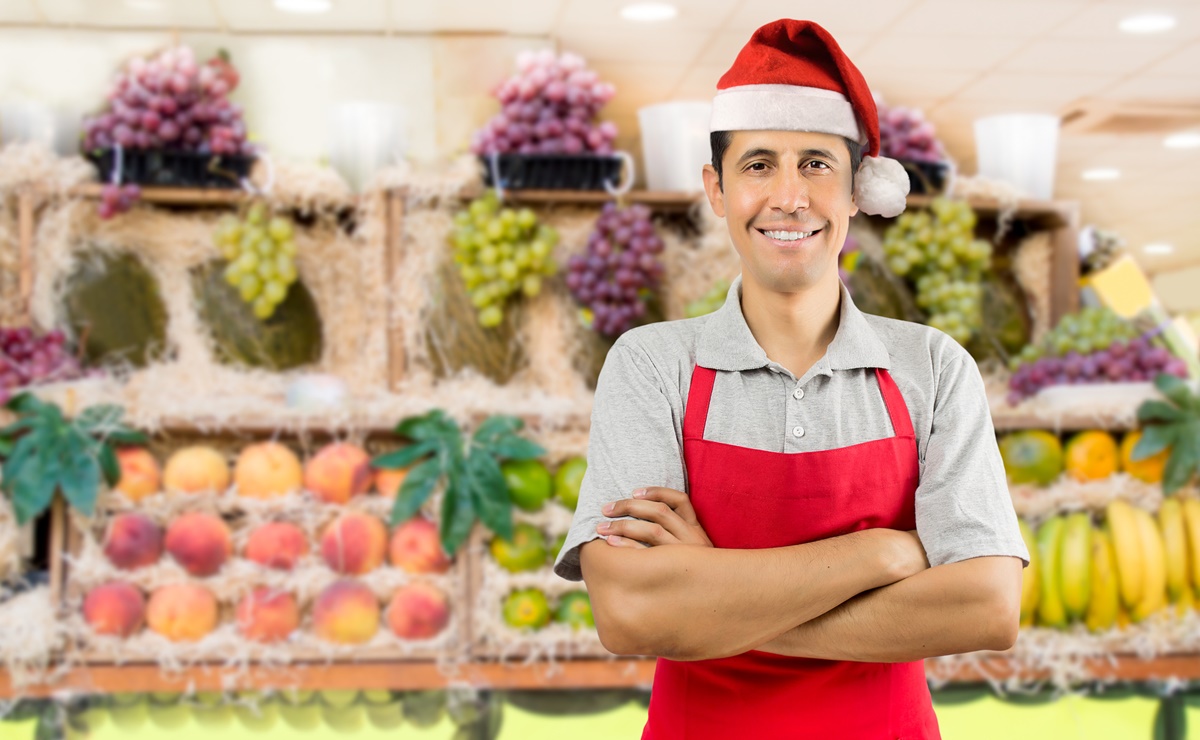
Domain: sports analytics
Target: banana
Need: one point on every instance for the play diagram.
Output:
(1029, 576)
(1154, 593)
(1106, 596)
(1075, 564)
(1123, 531)
(1186, 603)
(1051, 612)
(1123, 619)
(1191, 522)
(1170, 523)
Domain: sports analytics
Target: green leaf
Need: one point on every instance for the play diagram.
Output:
(434, 426)
(1155, 438)
(1180, 468)
(512, 447)
(417, 486)
(26, 403)
(458, 515)
(6, 447)
(124, 437)
(404, 457)
(101, 418)
(108, 464)
(78, 473)
(1152, 411)
(24, 451)
(1175, 389)
(20, 425)
(33, 490)
(489, 493)
(497, 426)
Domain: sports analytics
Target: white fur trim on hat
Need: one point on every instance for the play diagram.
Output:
(784, 108)
(881, 187)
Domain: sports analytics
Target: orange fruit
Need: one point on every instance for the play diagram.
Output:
(1091, 455)
(1149, 470)
(1033, 456)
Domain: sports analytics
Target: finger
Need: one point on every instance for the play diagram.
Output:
(657, 512)
(648, 533)
(677, 500)
(619, 541)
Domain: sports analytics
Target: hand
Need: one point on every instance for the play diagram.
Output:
(904, 555)
(662, 516)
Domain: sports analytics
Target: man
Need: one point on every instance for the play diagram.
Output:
(755, 476)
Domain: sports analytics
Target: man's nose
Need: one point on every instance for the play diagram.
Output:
(791, 191)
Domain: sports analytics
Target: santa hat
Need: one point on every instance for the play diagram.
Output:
(792, 76)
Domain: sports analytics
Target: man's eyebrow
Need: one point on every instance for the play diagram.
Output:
(819, 153)
(759, 152)
(771, 153)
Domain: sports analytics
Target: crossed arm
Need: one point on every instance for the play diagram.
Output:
(659, 587)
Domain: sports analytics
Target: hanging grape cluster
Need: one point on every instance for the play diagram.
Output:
(262, 257)
(619, 271)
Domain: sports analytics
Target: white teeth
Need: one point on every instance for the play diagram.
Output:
(789, 236)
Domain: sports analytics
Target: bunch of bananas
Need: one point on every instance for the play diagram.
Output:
(1135, 565)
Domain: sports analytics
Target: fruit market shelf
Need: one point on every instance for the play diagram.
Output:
(565, 674)
(1007, 420)
(1049, 214)
(657, 200)
(175, 196)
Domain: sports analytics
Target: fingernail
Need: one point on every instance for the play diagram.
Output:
(613, 539)
(608, 508)
(640, 493)
(602, 527)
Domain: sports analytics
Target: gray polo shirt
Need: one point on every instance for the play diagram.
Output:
(962, 502)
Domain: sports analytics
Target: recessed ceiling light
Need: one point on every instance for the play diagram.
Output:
(1183, 140)
(649, 12)
(1147, 23)
(1102, 173)
(1158, 248)
(309, 7)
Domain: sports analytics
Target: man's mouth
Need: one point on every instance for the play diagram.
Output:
(788, 236)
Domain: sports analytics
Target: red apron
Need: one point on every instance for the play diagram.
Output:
(747, 498)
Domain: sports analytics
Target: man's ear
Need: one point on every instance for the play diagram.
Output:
(712, 188)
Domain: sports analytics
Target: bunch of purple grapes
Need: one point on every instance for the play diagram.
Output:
(28, 359)
(549, 107)
(620, 267)
(1137, 360)
(171, 102)
(115, 199)
(905, 134)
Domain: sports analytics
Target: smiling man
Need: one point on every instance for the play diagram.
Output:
(788, 502)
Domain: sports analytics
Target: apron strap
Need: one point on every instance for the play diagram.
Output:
(695, 416)
(897, 409)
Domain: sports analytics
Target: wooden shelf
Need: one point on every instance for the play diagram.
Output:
(565, 674)
(175, 196)
(1049, 214)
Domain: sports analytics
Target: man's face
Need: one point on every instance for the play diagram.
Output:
(780, 185)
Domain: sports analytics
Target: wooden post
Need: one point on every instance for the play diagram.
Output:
(393, 253)
(25, 207)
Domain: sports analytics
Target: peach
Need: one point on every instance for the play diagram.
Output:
(199, 542)
(346, 612)
(417, 548)
(338, 472)
(267, 470)
(268, 615)
(418, 611)
(182, 612)
(140, 474)
(133, 540)
(277, 545)
(115, 608)
(354, 543)
(388, 482)
(195, 470)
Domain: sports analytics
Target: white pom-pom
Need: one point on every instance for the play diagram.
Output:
(881, 187)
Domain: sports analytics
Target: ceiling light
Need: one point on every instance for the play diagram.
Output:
(1158, 248)
(649, 12)
(308, 7)
(147, 5)
(1101, 173)
(1147, 23)
(1183, 140)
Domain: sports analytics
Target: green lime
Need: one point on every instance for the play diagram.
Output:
(529, 483)
(575, 610)
(527, 609)
(567, 479)
(526, 550)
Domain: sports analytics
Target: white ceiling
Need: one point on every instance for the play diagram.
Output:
(956, 59)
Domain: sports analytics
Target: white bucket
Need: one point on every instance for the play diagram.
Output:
(1020, 149)
(364, 138)
(675, 144)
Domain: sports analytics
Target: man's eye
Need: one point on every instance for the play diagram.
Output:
(815, 163)
(757, 166)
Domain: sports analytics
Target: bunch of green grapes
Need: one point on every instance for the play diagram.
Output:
(261, 255)
(1090, 330)
(710, 301)
(937, 251)
(499, 252)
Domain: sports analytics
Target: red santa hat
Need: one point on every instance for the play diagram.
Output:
(792, 76)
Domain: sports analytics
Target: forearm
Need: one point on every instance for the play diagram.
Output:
(693, 603)
(954, 608)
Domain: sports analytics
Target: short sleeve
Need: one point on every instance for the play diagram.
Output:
(633, 442)
(963, 506)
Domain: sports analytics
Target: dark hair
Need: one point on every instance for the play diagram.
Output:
(719, 141)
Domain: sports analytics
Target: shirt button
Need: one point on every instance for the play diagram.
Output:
(798, 431)
(798, 394)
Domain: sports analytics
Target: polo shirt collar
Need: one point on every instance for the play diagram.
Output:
(726, 342)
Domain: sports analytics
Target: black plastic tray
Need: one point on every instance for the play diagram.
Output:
(925, 178)
(174, 168)
(553, 171)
